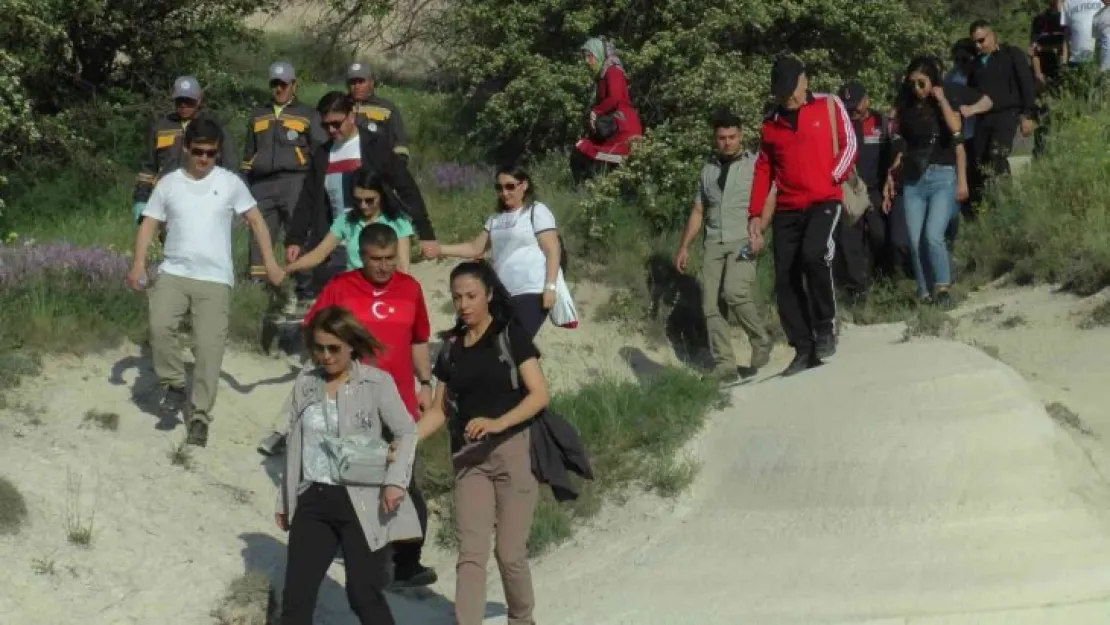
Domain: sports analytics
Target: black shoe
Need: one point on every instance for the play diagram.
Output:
(826, 346)
(803, 359)
(731, 379)
(760, 357)
(172, 402)
(422, 576)
(198, 433)
(272, 445)
(944, 301)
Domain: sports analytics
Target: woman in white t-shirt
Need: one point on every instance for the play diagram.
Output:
(524, 244)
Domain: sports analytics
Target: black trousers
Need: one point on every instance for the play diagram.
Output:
(582, 167)
(804, 251)
(990, 150)
(406, 555)
(324, 520)
(862, 247)
(530, 312)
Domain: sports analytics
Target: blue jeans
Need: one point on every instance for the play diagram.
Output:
(929, 204)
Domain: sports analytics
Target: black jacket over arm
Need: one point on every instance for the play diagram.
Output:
(312, 216)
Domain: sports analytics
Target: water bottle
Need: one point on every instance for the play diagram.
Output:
(745, 252)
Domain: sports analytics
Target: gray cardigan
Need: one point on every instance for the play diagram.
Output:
(372, 393)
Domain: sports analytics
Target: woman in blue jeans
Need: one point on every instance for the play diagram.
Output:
(932, 166)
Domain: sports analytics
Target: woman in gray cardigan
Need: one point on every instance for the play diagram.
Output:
(338, 396)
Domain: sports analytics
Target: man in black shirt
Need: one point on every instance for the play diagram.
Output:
(1048, 49)
(1002, 74)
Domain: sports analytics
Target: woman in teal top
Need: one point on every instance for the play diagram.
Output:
(372, 207)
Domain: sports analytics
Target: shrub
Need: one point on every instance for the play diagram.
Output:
(13, 508)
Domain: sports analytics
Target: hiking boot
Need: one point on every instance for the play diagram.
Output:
(826, 346)
(761, 356)
(172, 402)
(422, 576)
(944, 301)
(803, 359)
(730, 379)
(272, 445)
(198, 433)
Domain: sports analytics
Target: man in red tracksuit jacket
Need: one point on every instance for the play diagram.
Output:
(796, 155)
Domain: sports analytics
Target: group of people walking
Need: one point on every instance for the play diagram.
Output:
(835, 181)
(335, 178)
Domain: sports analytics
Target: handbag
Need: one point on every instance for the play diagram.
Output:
(356, 459)
(856, 200)
(563, 314)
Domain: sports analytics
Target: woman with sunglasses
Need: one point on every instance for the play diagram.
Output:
(338, 397)
(372, 206)
(524, 243)
(932, 164)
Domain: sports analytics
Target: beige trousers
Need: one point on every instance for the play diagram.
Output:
(208, 305)
(724, 279)
(497, 494)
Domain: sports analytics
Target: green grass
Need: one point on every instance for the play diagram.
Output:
(249, 600)
(13, 508)
(633, 432)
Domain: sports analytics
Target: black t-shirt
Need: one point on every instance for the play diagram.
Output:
(479, 381)
(1049, 33)
(923, 124)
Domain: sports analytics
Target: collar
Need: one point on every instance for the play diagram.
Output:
(379, 289)
(781, 110)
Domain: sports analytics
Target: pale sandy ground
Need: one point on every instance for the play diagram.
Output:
(167, 541)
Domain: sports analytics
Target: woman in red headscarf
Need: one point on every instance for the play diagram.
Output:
(613, 121)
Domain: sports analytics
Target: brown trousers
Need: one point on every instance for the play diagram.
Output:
(495, 492)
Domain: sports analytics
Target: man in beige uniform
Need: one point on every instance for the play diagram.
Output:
(728, 273)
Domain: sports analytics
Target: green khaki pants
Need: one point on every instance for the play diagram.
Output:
(729, 295)
(208, 304)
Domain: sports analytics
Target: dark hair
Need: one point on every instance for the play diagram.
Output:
(500, 305)
(368, 178)
(518, 173)
(977, 24)
(963, 54)
(377, 235)
(924, 64)
(203, 130)
(724, 118)
(335, 102)
(340, 323)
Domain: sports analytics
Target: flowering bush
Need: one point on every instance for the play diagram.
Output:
(460, 177)
(23, 261)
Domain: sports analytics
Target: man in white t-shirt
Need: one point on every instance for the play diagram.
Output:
(1078, 17)
(198, 203)
(1100, 31)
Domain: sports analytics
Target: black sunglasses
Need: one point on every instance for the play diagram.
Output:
(981, 40)
(368, 201)
(199, 152)
(510, 187)
(332, 125)
(332, 349)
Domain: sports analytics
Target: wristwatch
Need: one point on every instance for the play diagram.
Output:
(550, 286)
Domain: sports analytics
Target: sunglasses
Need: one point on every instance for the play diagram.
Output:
(332, 125)
(368, 201)
(919, 83)
(510, 187)
(980, 41)
(332, 348)
(199, 152)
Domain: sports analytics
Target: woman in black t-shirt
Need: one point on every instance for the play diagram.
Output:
(932, 166)
(492, 402)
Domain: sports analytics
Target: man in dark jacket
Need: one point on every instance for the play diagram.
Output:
(327, 187)
(280, 141)
(1002, 74)
(164, 145)
(863, 244)
(373, 112)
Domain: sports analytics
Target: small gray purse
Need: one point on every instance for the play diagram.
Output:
(355, 459)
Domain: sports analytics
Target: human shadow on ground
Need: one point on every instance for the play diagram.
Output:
(681, 295)
(643, 367)
(246, 389)
(266, 554)
(145, 391)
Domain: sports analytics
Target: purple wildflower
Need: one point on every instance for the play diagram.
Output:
(460, 177)
(94, 266)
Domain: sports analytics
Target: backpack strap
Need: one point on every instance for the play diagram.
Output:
(506, 349)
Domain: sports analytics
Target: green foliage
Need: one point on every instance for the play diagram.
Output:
(13, 508)
(1050, 223)
(520, 65)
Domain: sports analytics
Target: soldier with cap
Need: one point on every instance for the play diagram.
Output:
(863, 243)
(280, 141)
(373, 112)
(164, 147)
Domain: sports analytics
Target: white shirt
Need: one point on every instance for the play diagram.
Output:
(1078, 16)
(198, 216)
(1100, 30)
(517, 256)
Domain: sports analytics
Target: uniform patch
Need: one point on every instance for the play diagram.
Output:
(292, 135)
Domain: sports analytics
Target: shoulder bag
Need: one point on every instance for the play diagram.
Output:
(856, 200)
